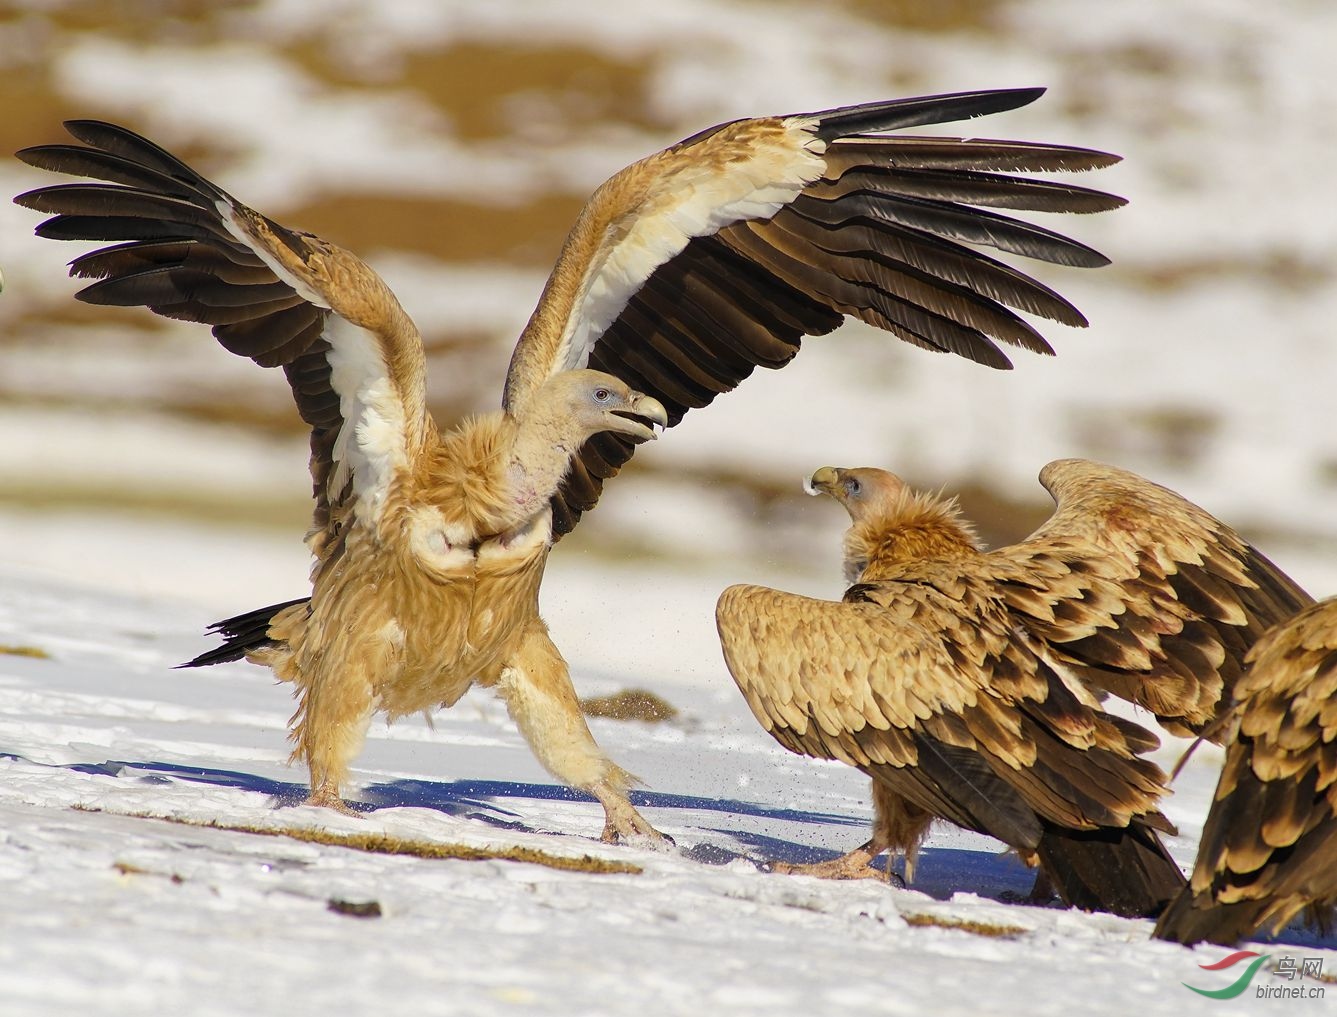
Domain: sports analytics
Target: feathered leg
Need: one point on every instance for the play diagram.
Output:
(328, 730)
(536, 686)
(334, 709)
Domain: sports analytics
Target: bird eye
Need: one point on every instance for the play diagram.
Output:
(602, 395)
(852, 486)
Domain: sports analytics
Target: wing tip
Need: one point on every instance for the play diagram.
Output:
(919, 111)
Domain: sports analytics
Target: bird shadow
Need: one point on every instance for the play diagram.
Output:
(475, 799)
(940, 873)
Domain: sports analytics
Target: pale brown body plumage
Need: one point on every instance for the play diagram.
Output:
(682, 274)
(405, 629)
(966, 682)
(1269, 847)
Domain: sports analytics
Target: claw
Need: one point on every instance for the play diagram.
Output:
(621, 820)
(327, 796)
(629, 825)
(854, 865)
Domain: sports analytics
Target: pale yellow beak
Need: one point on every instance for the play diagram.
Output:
(642, 412)
(824, 481)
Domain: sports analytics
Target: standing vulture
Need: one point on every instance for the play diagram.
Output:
(683, 273)
(967, 683)
(1269, 846)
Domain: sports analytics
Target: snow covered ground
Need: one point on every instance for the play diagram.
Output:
(106, 911)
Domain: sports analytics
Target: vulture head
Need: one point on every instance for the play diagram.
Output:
(890, 522)
(592, 402)
(567, 410)
(865, 492)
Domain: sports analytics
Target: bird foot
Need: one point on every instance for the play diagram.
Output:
(623, 824)
(854, 865)
(328, 797)
(632, 828)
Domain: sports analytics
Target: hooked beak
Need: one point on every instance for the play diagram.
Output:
(641, 413)
(824, 481)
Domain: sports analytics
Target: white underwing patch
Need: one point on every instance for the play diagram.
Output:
(694, 198)
(370, 445)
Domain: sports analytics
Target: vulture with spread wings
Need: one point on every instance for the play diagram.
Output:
(682, 274)
(1269, 846)
(968, 683)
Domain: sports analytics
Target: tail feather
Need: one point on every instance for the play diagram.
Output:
(1126, 871)
(1192, 918)
(241, 634)
(1197, 917)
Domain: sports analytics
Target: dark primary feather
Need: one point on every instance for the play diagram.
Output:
(101, 165)
(118, 141)
(176, 257)
(953, 222)
(968, 154)
(967, 186)
(899, 114)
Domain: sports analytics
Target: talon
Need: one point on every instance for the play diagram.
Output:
(854, 865)
(836, 868)
(621, 820)
(631, 828)
(327, 796)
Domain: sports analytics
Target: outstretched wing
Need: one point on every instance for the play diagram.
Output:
(189, 250)
(1269, 846)
(934, 696)
(689, 269)
(1142, 592)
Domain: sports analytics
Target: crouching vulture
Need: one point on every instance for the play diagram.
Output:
(1269, 846)
(683, 273)
(968, 683)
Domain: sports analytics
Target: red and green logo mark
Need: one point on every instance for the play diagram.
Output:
(1241, 983)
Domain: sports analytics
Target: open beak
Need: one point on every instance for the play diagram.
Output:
(642, 413)
(824, 481)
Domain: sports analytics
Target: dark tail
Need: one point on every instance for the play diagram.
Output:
(1192, 918)
(1125, 871)
(242, 634)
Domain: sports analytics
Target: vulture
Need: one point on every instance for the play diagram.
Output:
(968, 683)
(683, 273)
(1269, 846)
